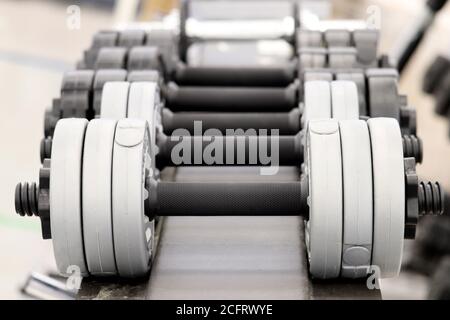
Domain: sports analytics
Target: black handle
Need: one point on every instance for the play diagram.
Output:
(230, 98)
(236, 76)
(227, 199)
(287, 123)
(235, 150)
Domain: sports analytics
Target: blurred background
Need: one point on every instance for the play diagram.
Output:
(36, 48)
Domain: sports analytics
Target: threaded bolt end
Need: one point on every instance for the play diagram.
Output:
(431, 198)
(412, 147)
(26, 199)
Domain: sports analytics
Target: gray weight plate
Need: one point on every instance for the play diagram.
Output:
(358, 209)
(358, 77)
(145, 58)
(75, 93)
(144, 103)
(65, 195)
(133, 232)
(324, 227)
(383, 98)
(101, 39)
(111, 58)
(312, 58)
(337, 38)
(101, 77)
(317, 75)
(166, 41)
(388, 195)
(131, 38)
(114, 100)
(339, 58)
(344, 100)
(317, 101)
(144, 76)
(97, 198)
(366, 43)
(309, 38)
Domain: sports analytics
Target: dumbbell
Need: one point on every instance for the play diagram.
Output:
(323, 99)
(99, 191)
(274, 20)
(333, 48)
(191, 98)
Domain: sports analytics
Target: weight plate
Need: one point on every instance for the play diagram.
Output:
(65, 195)
(324, 169)
(358, 209)
(75, 93)
(359, 78)
(131, 38)
(317, 75)
(111, 58)
(133, 231)
(317, 101)
(144, 103)
(389, 195)
(340, 58)
(312, 58)
(383, 96)
(102, 77)
(100, 40)
(309, 38)
(145, 58)
(344, 100)
(97, 210)
(337, 38)
(114, 100)
(366, 43)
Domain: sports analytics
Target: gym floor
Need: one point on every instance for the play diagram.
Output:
(36, 48)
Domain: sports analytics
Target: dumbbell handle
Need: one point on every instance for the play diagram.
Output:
(245, 150)
(240, 99)
(287, 123)
(236, 76)
(225, 198)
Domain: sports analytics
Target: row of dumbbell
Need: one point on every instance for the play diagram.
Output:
(322, 100)
(359, 168)
(79, 86)
(98, 168)
(332, 48)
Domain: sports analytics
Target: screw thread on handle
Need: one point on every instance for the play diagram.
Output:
(412, 147)
(431, 198)
(26, 199)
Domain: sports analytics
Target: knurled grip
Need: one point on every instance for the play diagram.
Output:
(287, 123)
(228, 198)
(237, 150)
(191, 98)
(220, 76)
